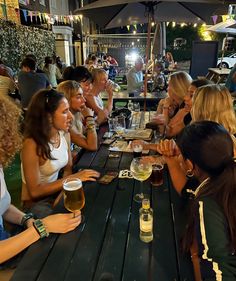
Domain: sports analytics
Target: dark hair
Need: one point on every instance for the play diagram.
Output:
(201, 82)
(79, 74)
(37, 123)
(31, 56)
(28, 62)
(48, 60)
(208, 145)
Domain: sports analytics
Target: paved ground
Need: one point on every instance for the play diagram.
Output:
(184, 65)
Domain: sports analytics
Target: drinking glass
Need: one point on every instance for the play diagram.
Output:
(137, 150)
(120, 125)
(74, 199)
(136, 107)
(112, 121)
(141, 170)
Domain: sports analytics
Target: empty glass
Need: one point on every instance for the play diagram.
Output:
(112, 121)
(120, 125)
(136, 106)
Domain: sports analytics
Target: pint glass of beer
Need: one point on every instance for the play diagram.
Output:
(73, 194)
(137, 150)
(156, 177)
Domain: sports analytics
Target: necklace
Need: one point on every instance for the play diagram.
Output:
(55, 140)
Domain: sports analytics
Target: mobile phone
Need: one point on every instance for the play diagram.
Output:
(108, 177)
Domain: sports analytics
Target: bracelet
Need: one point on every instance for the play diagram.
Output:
(25, 218)
(40, 228)
(88, 116)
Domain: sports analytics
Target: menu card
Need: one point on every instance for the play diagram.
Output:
(123, 146)
(138, 134)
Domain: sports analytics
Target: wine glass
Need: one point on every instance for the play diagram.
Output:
(74, 199)
(120, 125)
(141, 170)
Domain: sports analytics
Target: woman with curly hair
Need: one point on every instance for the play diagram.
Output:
(10, 144)
(47, 141)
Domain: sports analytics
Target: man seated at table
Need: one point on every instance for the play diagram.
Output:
(231, 81)
(135, 76)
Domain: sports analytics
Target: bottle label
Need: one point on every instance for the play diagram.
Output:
(146, 226)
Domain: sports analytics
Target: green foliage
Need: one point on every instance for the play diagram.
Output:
(17, 40)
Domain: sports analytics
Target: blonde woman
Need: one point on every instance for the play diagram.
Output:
(214, 103)
(177, 89)
(10, 144)
(93, 98)
(85, 137)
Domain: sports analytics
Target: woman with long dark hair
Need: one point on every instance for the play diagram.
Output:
(208, 153)
(46, 150)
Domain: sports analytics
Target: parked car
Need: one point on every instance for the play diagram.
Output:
(227, 62)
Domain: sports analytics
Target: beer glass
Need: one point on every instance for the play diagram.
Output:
(137, 150)
(157, 174)
(74, 199)
(141, 170)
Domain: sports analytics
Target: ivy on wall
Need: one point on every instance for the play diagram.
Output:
(17, 40)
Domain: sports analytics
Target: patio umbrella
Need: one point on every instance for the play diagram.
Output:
(117, 13)
(114, 13)
(228, 27)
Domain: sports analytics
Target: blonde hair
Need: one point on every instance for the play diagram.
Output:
(180, 82)
(10, 137)
(169, 54)
(214, 103)
(97, 73)
(69, 88)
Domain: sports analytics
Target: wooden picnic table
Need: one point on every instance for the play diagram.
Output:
(217, 75)
(108, 240)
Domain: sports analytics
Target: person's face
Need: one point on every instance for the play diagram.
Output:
(171, 94)
(102, 82)
(188, 98)
(139, 66)
(62, 117)
(77, 102)
(86, 86)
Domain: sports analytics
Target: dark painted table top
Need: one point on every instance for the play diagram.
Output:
(108, 240)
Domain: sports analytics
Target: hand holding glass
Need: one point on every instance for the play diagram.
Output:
(74, 199)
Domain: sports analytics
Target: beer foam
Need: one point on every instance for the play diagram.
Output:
(72, 185)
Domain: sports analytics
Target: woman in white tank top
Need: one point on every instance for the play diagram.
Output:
(46, 151)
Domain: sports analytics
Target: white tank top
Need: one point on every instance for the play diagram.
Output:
(50, 169)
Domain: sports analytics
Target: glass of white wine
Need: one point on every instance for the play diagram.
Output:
(141, 170)
(74, 199)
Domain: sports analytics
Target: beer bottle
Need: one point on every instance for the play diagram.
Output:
(146, 221)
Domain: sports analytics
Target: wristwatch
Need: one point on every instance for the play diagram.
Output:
(25, 218)
(40, 228)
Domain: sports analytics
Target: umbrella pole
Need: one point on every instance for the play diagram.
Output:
(147, 58)
(223, 50)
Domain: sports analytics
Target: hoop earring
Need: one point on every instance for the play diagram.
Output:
(189, 173)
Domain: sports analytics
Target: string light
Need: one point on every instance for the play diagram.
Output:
(173, 24)
(195, 25)
(153, 23)
(134, 32)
